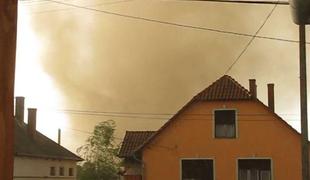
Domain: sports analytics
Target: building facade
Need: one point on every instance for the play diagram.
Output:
(35, 155)
(223, 133)
(40, 168)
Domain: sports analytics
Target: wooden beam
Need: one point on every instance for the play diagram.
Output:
(8, 29)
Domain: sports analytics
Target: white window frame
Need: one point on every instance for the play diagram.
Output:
(236, 122)
(255, 158)
(213, 163)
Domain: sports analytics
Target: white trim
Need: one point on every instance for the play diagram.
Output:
(236, 122)
(255, 158)
(200, 158)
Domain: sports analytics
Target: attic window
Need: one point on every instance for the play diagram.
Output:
(225, 123)
(254, 169)
(193, 169)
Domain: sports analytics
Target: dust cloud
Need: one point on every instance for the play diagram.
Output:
(102, 62)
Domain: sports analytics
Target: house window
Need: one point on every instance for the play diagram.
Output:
(225, 123)
(197, 169)
(71, 172)
(52, 171)
(254, 169)
(61, 171)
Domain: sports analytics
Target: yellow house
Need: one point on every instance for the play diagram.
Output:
(223, 133)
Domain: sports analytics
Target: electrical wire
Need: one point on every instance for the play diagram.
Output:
(113, 112)
(244, 2)
(175, 24)
(72, 8)
(257, 117)
(251, 40)
(33, 3)
(152, 113)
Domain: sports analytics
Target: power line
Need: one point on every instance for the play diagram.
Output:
(251, 40)
(113, 112)
(121, 140)
(175, 24)
(191, 116)
(87, 132)
(72, 8)
(155, 114)
(120, 116)
(33, 3)
(245, 2)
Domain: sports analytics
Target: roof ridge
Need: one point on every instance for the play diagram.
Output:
(238, 84)
(41, 143)
(224, 88)
(204, 95)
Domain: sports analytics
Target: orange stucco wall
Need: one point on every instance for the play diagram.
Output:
(259, 135)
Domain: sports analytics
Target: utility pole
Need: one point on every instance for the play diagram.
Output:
(301, 16)
(303, 103)
(8, 29)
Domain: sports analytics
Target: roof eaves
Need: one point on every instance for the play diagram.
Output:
(48, 157)
(123, 153)
(184, 107)
(165, 125)
(277, 116)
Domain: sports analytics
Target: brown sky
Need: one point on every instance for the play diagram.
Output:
(104, 62)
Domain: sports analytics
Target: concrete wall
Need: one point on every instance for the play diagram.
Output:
(260, 134)
(39, 169)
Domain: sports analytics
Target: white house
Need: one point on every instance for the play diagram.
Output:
(36, 156)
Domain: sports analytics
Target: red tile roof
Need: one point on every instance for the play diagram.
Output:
(225, 88)
(133, 140)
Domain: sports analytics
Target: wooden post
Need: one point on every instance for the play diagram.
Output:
(303, 103)
(8, 26)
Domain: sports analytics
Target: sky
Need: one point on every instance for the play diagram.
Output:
(137, 62)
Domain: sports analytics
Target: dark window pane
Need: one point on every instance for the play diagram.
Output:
(225, 116)
(197, 169)
(70, 171)
(61, 171)
(225, 123)
(52, 171)
(254, 169)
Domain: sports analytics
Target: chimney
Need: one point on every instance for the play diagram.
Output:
(59, 136)
(271, 96)
(32, 118)
(253, 88)
(19, 108)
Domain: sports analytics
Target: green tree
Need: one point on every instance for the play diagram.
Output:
(100, 154)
